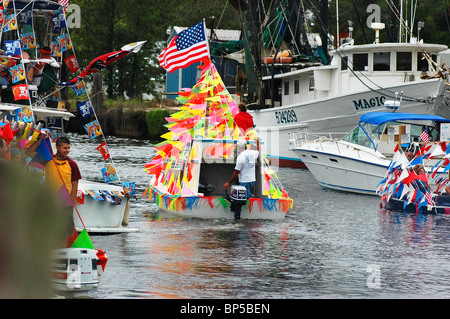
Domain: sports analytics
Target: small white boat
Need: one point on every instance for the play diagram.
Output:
(76, 271)
(199, 156)
(204, 196)
(359, 161)
(102, 207)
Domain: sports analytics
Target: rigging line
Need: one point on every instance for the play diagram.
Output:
(272, 37)
(408, 30)
(446, 14)
(294, 34)
(289, 26)
(380, 88)
(103, 136)
(87, 93)
(21, 52)
(321, 24)
(245, 33)
(223, 11)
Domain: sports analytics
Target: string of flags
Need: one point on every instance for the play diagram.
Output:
(405, 181)
(15, 59)
(207, 111)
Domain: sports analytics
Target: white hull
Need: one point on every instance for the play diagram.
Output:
(276, 213)
(342, 172)
(336, 115)
(101, 216)
(213, 204)
(359, 163)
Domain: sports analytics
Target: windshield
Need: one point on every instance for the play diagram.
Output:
(366, 137)
(367, 134)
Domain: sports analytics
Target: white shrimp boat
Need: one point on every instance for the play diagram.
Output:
(331, 96)
(358, 162)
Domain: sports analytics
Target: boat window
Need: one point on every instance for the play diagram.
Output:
(344, 63)
(296, 86)
(404, 61)
(311, 83)
(422, 62)
(286, 88)
(360, 61)
(382, 61)
(416, 131)
(358, 136)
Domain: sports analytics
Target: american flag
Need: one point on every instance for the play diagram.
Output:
(187, 47)
(429, 198)
(64, 3)
(424, 136)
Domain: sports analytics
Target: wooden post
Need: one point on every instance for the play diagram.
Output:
(97, 91)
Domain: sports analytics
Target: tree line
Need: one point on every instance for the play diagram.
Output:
(107, 25)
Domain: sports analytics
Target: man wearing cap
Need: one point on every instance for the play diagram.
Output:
(36, 70)
(243, 119)
(245, 167)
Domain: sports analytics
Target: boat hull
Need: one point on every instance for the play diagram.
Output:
(217, 207)
(336, 115)
(395, 204)
(222, 213)
(101, 216)
(341, 171)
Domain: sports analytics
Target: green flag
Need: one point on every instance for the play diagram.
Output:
(83, 241)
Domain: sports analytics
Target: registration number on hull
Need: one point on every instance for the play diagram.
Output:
(287, 116)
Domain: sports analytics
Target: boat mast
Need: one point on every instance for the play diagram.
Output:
(337, 24)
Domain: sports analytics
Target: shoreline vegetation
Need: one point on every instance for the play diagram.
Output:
(131, 119)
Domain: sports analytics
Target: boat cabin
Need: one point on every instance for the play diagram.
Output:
(353, 67)
(212, 163)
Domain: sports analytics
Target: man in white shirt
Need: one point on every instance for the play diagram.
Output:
(245, 168)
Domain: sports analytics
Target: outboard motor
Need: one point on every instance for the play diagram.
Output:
(238, 198)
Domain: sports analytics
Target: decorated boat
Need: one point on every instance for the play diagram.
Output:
(359, 161)
(329, 93)
(198, 157)
(34, 108)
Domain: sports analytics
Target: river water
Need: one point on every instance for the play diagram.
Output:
(332, 245)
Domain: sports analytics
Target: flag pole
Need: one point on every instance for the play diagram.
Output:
(207, 42)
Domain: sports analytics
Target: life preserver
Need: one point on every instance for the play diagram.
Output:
(269, 60)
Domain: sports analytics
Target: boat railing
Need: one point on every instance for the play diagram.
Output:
(302, 136)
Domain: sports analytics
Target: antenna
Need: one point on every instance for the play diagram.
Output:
(377, 26)
(420, 25)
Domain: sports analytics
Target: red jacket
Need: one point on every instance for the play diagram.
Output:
(244, 121)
